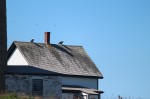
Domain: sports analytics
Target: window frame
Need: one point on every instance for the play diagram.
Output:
(37, 87)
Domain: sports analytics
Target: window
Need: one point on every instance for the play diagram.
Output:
(37, 87)
(79, 96)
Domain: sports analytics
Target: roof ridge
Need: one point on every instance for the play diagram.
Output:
(50, 44)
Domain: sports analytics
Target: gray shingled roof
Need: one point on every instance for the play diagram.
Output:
(63, 59)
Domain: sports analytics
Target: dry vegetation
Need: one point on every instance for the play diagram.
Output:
(125, 97)
(15, 96)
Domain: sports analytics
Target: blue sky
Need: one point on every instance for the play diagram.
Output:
(115, 34)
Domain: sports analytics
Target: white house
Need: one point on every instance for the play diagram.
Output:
(52, 70)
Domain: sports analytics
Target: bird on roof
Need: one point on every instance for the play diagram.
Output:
(32, 40)
(61, 42)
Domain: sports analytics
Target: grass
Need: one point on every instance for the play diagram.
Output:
(125, 97)
(15, 96)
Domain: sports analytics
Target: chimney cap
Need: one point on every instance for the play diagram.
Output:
(47, 32)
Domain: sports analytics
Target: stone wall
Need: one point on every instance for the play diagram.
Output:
(22, 84)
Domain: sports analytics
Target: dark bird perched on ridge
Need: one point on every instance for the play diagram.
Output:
(61, 42)
(32, 40)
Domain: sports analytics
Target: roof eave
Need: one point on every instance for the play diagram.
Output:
(11, 50)
(101, 77)
(80, 76)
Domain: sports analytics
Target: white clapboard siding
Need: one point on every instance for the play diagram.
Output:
(85, 82)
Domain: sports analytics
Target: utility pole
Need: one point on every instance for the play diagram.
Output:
(3, 44)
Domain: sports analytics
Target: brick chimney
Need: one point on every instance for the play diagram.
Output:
(47, 37)
(3, 44)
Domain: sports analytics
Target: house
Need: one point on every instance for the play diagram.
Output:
(51, 70)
